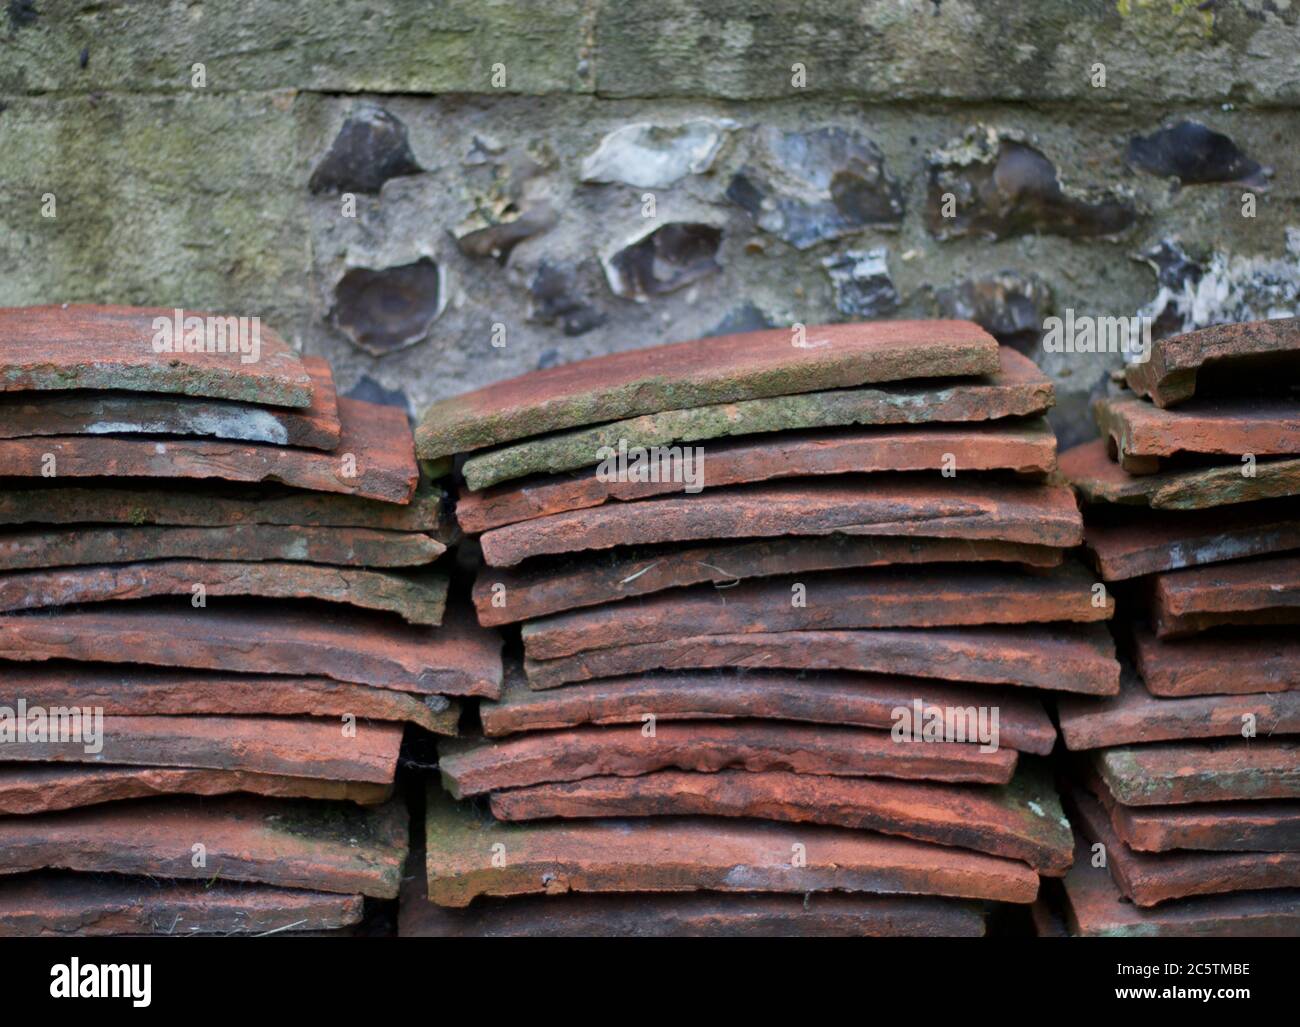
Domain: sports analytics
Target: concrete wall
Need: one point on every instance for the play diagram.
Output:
(399, 185)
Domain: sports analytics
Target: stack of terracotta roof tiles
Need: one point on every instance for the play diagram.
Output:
(1188, 789)
(214, 581)
(717, 648)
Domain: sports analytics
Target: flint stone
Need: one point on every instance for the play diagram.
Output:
(861, 282)
(722, 369)
(1019, 388)
(1070, 658)
(655, 156)
(477, 766)
(340, 547)
(695, 854)
(1169, 376)
(1004, 187)
(1142, 434)
(1175, 773)
(419, 598)
(49, 787)
(841, 600)
(908, 505)
(149, 691)
(1195, 154)
(664, 260)
(376, 437)
(858, 700)
(553, 585)
(1245, 662)
(458, 658)
(1256, 592)
(1136, 716)
(203, 506)
(1024, 447)
(318, 846)
(1097, 908)
(371, 148)
(1127, 543)
(388, 309)
(286, 746)
(1020, 820)
(700, 915)
(1149, 879)
(78, 905)
(88, 347)
(1100, 480)
(122, 413)
(807, 187)
(1203, 826)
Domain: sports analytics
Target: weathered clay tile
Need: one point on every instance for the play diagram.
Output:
(87, 347)
(1242, 663)
(1151, 878)
(1018, 389)
(470, 854)
(85, 905)
(504, 595)
(476, 766)
(418, 597)
(885, 598)
(30, 549)
(1100, 480)
(1170, 375)
(374, 460)
(1208, 826)
(858, 700)
(722, 369)
(1022, 447)
(1142, 434)
(119, 413)
(1135, 716)
(1256, 592)
(200, 505)
(1125, 543)
(869, 505)
(331, 847)
(287, 746)
(1021, 820)
(1174, 773)
(152, 691)
(1068, 658)
(48, 787)
(701, 915)
(1095, 907)
(458, 658)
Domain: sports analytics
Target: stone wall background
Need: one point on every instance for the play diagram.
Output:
(462, 130)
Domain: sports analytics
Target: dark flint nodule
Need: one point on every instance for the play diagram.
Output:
(370, 148)
(390, 309)
(667, 259)
(556, 296)
(1195, 155)
(1017, 192)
